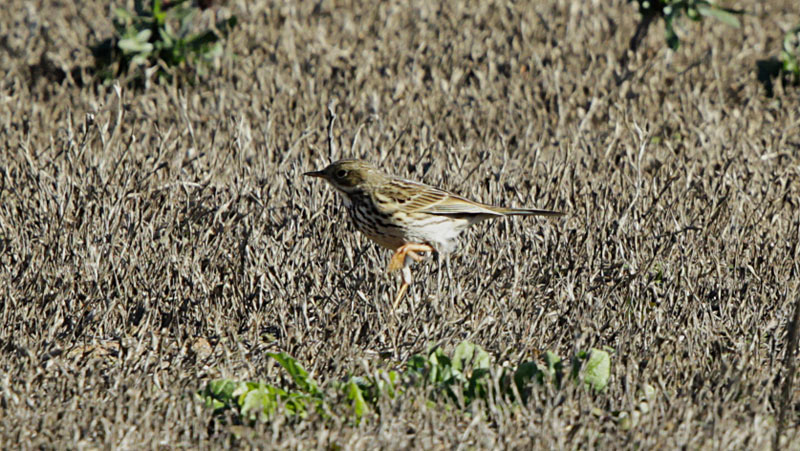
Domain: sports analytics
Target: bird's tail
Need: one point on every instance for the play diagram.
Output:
(528, 212)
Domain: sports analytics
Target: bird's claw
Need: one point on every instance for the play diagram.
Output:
(399, 260)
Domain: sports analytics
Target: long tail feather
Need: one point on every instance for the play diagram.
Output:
(529, 212)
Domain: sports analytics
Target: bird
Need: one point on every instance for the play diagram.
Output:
(405, 216)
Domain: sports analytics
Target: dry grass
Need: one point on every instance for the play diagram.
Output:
(175, 215)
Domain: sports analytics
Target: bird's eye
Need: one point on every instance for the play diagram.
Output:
(341, 173)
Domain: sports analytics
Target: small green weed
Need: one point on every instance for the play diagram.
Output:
(158, 38)
(258, 400)
(790, 55)
(460, 378)
(672, 10)
(787, 66)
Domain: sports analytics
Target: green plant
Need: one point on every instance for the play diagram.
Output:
(466, 372)
(258, 400)
(787, 66)
(672, 10)
(158, 37)
(790, 55)
(461, 378)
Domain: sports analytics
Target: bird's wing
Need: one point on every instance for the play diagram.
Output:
(417, 197)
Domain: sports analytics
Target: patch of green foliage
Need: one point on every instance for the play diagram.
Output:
(158, 37)
(459, 379)
(787, 66)
(696, 10)
(258, 400)
(790, 55)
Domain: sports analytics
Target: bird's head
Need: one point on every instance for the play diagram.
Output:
(348, 176)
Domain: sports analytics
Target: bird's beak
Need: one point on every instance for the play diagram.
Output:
(318, 174)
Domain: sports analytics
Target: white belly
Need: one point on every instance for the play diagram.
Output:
(441, 232)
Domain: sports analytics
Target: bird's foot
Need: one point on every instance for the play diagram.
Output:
(407, 250)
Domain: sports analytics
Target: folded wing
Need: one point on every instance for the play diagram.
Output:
(418, 197)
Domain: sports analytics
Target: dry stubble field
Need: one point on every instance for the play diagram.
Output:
(175, 217)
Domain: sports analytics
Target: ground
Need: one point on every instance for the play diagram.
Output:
(154, 239)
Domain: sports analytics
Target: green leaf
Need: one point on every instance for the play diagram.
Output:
(134, 45)
(184, 16)
(123, 14)
(597, 371)
(159, 15)
(467, 353)
(355, 395)
(417, 363)
(724, 15)
(218, 394)
(478, 387)
(527, 372)
(223, 388)
(553, 362)
(296, 404)
(791, 41)
(441, 368)
(140, 59)
(242, 389)
(212, 403)
(259, 401)
(180, 13)
(167, 39)
(226, 25)
(790, 64)
(555, 367)
(144, 35)
(297, 372)
(139, 7)
(391, 383)
(199, 40)
(384, 383)
(213, 52)
(672, 38)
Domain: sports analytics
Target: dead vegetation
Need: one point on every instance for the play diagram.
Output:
(150, 241)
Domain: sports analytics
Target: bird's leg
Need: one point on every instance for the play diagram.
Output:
(406, 277)
(403, 288)
(402, 259)
(407, 250)
(439, 275)
(400, 293)
(410, 250)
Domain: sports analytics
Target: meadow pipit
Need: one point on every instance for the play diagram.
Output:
(407, 217)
